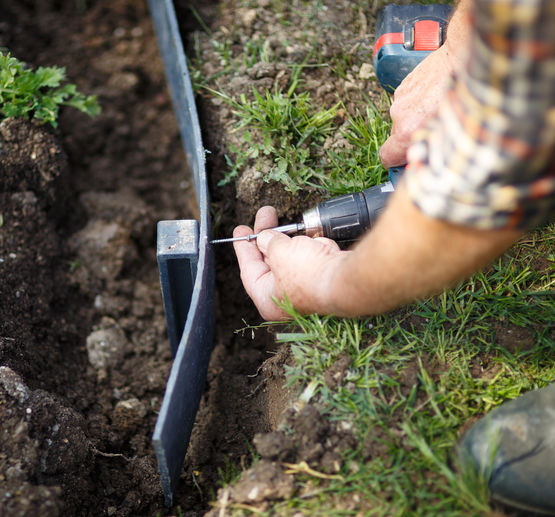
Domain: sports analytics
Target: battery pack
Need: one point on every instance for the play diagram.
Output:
(405, 35)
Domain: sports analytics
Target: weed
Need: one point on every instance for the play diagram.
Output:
(284, 130)
(355, 165)
(74, 265)
(38, 94)
(235, 167)
(229, 473)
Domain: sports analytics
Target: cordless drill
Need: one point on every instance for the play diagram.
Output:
(405, 35)
(342, 218)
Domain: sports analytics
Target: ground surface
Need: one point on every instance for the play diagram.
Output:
(83, 350)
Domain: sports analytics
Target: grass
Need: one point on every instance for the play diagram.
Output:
(419, 376)
(284, 130)
(462, 373)
(284, 134)
(356, 166)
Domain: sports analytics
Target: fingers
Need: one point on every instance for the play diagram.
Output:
(394, 151)
(251, 262)
(242, 231)
(266, 217)
(302, 268)
(267, 237)
(256, 275)
(259, 281)
(328, 242)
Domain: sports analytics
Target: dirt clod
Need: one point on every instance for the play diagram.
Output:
(274, 446)
(106, 346)
(264, 481)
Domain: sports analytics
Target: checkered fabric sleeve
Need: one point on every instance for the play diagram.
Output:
(488, 159)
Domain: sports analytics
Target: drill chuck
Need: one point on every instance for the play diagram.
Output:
(343, 218)
(347, 217)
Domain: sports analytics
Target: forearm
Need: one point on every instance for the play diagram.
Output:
(408, 256)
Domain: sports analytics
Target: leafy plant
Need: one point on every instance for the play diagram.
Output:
(38, 94)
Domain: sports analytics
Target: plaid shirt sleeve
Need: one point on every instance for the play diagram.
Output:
(488, 159)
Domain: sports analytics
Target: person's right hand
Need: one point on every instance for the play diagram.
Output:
(416, 101)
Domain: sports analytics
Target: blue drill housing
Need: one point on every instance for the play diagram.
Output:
(402, 41)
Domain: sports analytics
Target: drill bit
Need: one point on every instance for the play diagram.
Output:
(287, 228)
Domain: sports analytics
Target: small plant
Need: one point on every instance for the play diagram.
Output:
(229, 473)
(74, 265)
(38, 94)
(284, 130)
(356, 165)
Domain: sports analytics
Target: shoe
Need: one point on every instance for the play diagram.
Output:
(514, 446)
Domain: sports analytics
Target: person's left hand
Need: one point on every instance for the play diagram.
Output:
(276, 265)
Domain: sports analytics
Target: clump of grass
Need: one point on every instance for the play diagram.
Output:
(285, 131)
(356, 165)
(38, 94)
(305, 146)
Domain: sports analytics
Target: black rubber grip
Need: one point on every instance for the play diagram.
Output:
(346, 218)
(376, 199)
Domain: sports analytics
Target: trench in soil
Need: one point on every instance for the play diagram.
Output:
(83, 268)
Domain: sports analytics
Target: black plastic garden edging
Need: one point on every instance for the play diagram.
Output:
(186, 264)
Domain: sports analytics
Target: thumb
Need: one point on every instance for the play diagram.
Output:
(269, 238)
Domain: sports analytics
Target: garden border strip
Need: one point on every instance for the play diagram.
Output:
(178, 260)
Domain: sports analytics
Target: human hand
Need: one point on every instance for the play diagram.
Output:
(418, 97)
(276, 265)
(416, 101)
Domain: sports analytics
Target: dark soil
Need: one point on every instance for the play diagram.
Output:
(83, 349)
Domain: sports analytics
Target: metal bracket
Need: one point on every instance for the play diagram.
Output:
(177, 254)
